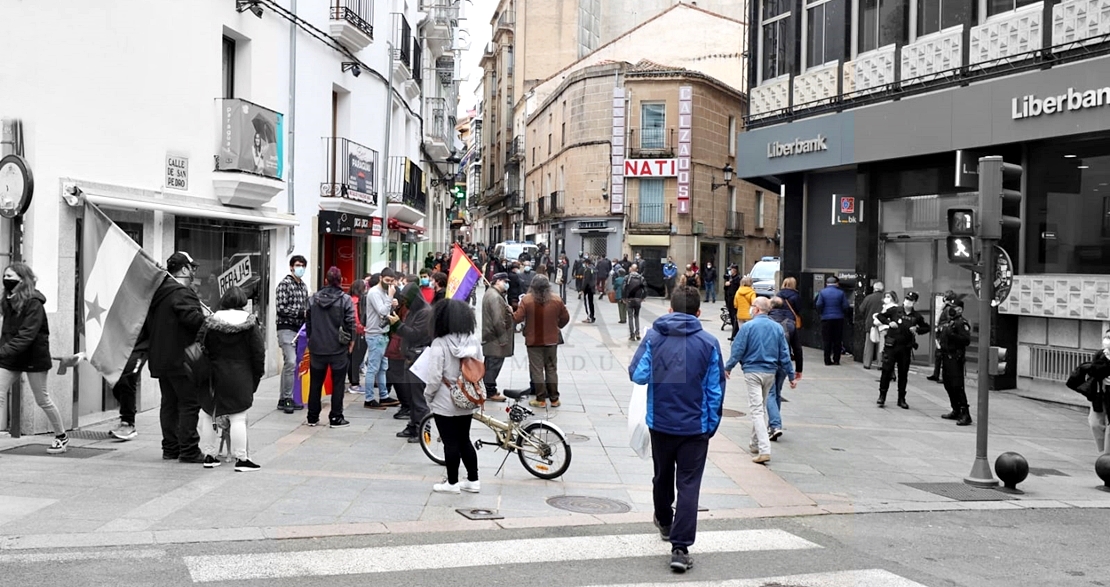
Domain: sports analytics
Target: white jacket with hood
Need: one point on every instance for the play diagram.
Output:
(444, 356)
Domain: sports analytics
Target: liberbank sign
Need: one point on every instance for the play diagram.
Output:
(797, 147)
(1031, 106)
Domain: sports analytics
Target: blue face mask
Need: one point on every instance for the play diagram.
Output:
(298, 271)
(424, 281)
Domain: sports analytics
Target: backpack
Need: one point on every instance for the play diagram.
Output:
(633, 287)
(468, 391)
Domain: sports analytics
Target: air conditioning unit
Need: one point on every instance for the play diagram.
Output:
(699, 227)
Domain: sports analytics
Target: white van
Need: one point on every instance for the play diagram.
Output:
(512, 250)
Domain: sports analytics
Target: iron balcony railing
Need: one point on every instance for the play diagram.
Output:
(352, 171)
(435, 125)
(557, 202)
(403, 43)
(530, 216)
(360, 13)
(651, 141)
(506, 20)
(734, 225)
(649, 214)
(543, 208)
(406, 184)
(515, 200)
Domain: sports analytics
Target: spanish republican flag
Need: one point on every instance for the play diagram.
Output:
(464, 275)
(120, 281)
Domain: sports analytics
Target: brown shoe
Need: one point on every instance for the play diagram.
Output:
(495, 398)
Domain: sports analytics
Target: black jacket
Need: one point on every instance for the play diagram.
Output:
(171, 325)
(709, 274)
(416, 331)
(954, 336)
(902, 326)
(515, 289)
(234, 346)
(25, 337)
(526, 278)
(732, 283)
(588, 279)
(328, 310)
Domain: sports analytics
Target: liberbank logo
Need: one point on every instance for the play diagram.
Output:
(1031, 106)
(798, 147)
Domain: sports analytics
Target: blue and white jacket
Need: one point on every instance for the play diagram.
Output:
(760, 347)
(681, 365)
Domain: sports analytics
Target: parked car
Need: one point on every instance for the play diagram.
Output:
(764, 276)
(513, 250)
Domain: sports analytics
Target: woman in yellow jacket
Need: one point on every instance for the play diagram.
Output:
(743, 302)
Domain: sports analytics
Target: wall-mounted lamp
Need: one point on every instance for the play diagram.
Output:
(604, 192)
(352, 67)
(727, 171)
(251, 5)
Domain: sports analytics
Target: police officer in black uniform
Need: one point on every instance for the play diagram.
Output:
(954, 337)
(901, 325)
(938, 375)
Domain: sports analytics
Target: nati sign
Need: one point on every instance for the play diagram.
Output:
(177, 173)
(238, 274)
(651, 167)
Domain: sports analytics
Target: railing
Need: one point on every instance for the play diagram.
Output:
(435, 126)
(556, 199)
(250, 138)
(543, 208)
(443, 12)
(351, 171)
(516, 148)
(651, 141)
(417, 63)
(1054, 363)
(530, 216)
(359, 13)
(406, 184)
(403, 43)
(734, 225)
(506, 20)
(515, 200)
(445, 69)
(649, 214)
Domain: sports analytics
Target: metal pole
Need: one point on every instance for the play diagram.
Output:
(990, 176)
(387, 175)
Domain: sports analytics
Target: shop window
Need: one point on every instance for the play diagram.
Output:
(999, 6)
(653, 119)
(231, 251)
(776, 39)
(824, 32)
(1067, 222)
(881, 23)
(936, 15)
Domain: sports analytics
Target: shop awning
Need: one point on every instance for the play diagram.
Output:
(213, 210)
(395, 224)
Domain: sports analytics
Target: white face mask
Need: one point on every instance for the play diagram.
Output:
(1106, 342)
(907, 304)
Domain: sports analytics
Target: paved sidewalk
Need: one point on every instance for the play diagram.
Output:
(840, 454)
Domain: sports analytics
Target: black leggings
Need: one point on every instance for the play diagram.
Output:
(455, 433)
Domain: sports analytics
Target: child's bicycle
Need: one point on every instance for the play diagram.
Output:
(541, 445)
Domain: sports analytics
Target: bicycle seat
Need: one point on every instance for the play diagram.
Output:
(515, 393)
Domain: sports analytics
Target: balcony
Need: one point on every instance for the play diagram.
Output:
(1007, 37)
(506, 21)
(556, 203)
(530, 215)
(351, 23)
(516, 149)
(408, 201)
(250, 153)
(734, 225)
(651, 142)
(649, 218)
(351, 177)
(437, 140)
(443, 19)
(515, 201)
(445, 69)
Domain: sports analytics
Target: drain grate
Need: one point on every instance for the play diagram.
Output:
(728, 413)
(577, 438)
(480, 514)
(1041, 472)
(90, 434)
(581, 504)
(960, 491)
(39, 450)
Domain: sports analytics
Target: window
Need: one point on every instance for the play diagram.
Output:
(549, 143)
(824, 31)
(776, 39)
(563, 126)
(759, 209)
(229, 68)
(937, 15)
(732, 136)
(881, 23)
(651, 201)
(653, 119)
(999, 6)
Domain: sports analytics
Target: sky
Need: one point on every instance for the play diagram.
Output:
(478, 14)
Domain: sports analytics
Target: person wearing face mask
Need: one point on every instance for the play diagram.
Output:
(1095, 377)
(526, 275)
(439, 284)
(899, 325)
(25, 346)
(709, 277)
(175, 316)
(497, 333)
(954, 336)
(426, 288)
(380, 304)
(670, 273)
(290, 305)
(515, 290)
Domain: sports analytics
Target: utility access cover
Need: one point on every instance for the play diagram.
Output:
(581, 504)
(39, 450)
(960, 491)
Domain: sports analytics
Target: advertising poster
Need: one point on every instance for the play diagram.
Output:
(360, 173)
(251, 139)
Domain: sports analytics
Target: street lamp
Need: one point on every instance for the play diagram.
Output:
(727, 171)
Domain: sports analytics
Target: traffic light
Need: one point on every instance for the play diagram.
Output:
(961, 239)
(996, 361)
(999, 188)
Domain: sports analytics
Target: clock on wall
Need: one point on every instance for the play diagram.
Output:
(16, 186)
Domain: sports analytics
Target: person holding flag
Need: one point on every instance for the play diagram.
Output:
(463, 275)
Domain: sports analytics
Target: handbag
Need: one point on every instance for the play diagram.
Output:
(197, 365)
(612, 297)
(468, 391)
(344, 336)
(797, 318)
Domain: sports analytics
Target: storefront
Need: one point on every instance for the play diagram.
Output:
(867, 192)
(344, 243)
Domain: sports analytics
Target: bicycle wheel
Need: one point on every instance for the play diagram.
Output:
(430, 440)
(543, 450)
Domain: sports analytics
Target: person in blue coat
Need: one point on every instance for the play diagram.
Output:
(683, 369)
(832, 304)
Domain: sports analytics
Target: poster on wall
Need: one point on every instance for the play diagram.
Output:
(251, 139)
(360, 173)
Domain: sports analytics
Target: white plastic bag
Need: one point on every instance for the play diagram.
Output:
(639, 437)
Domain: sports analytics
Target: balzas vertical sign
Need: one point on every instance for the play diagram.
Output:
(616, 155)
(685, 129)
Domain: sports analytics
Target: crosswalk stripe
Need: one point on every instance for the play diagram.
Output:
(357, 561)
(44, 557)
(862, 578)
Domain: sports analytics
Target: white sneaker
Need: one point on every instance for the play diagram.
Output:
(470, 486)
(445, 487)
(123, 432)
(58, 445)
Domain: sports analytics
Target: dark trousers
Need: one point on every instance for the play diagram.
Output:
(395, 378)
(317, 371)
(418, 404)
(455, 433)
(563, 290)
(679, 463)
(895, 356)
(953, 370)
(668, 287)
(358, 354)
(832, 335)
(732, 315)
(178, 416)
(493, 369)
(938, 365)
(543, 371)
(633, 317)
(588, 301)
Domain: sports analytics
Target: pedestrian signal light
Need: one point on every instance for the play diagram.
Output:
(961, 250)
(996, 361)
(961, 222)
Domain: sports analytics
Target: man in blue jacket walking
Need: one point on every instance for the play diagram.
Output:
(761, 350)
(681, 366)
(832, 304)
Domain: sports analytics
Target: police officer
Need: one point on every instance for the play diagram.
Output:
(954, 337)
(938, 374)
(900, 325)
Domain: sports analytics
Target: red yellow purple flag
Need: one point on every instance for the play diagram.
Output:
(463, 276)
